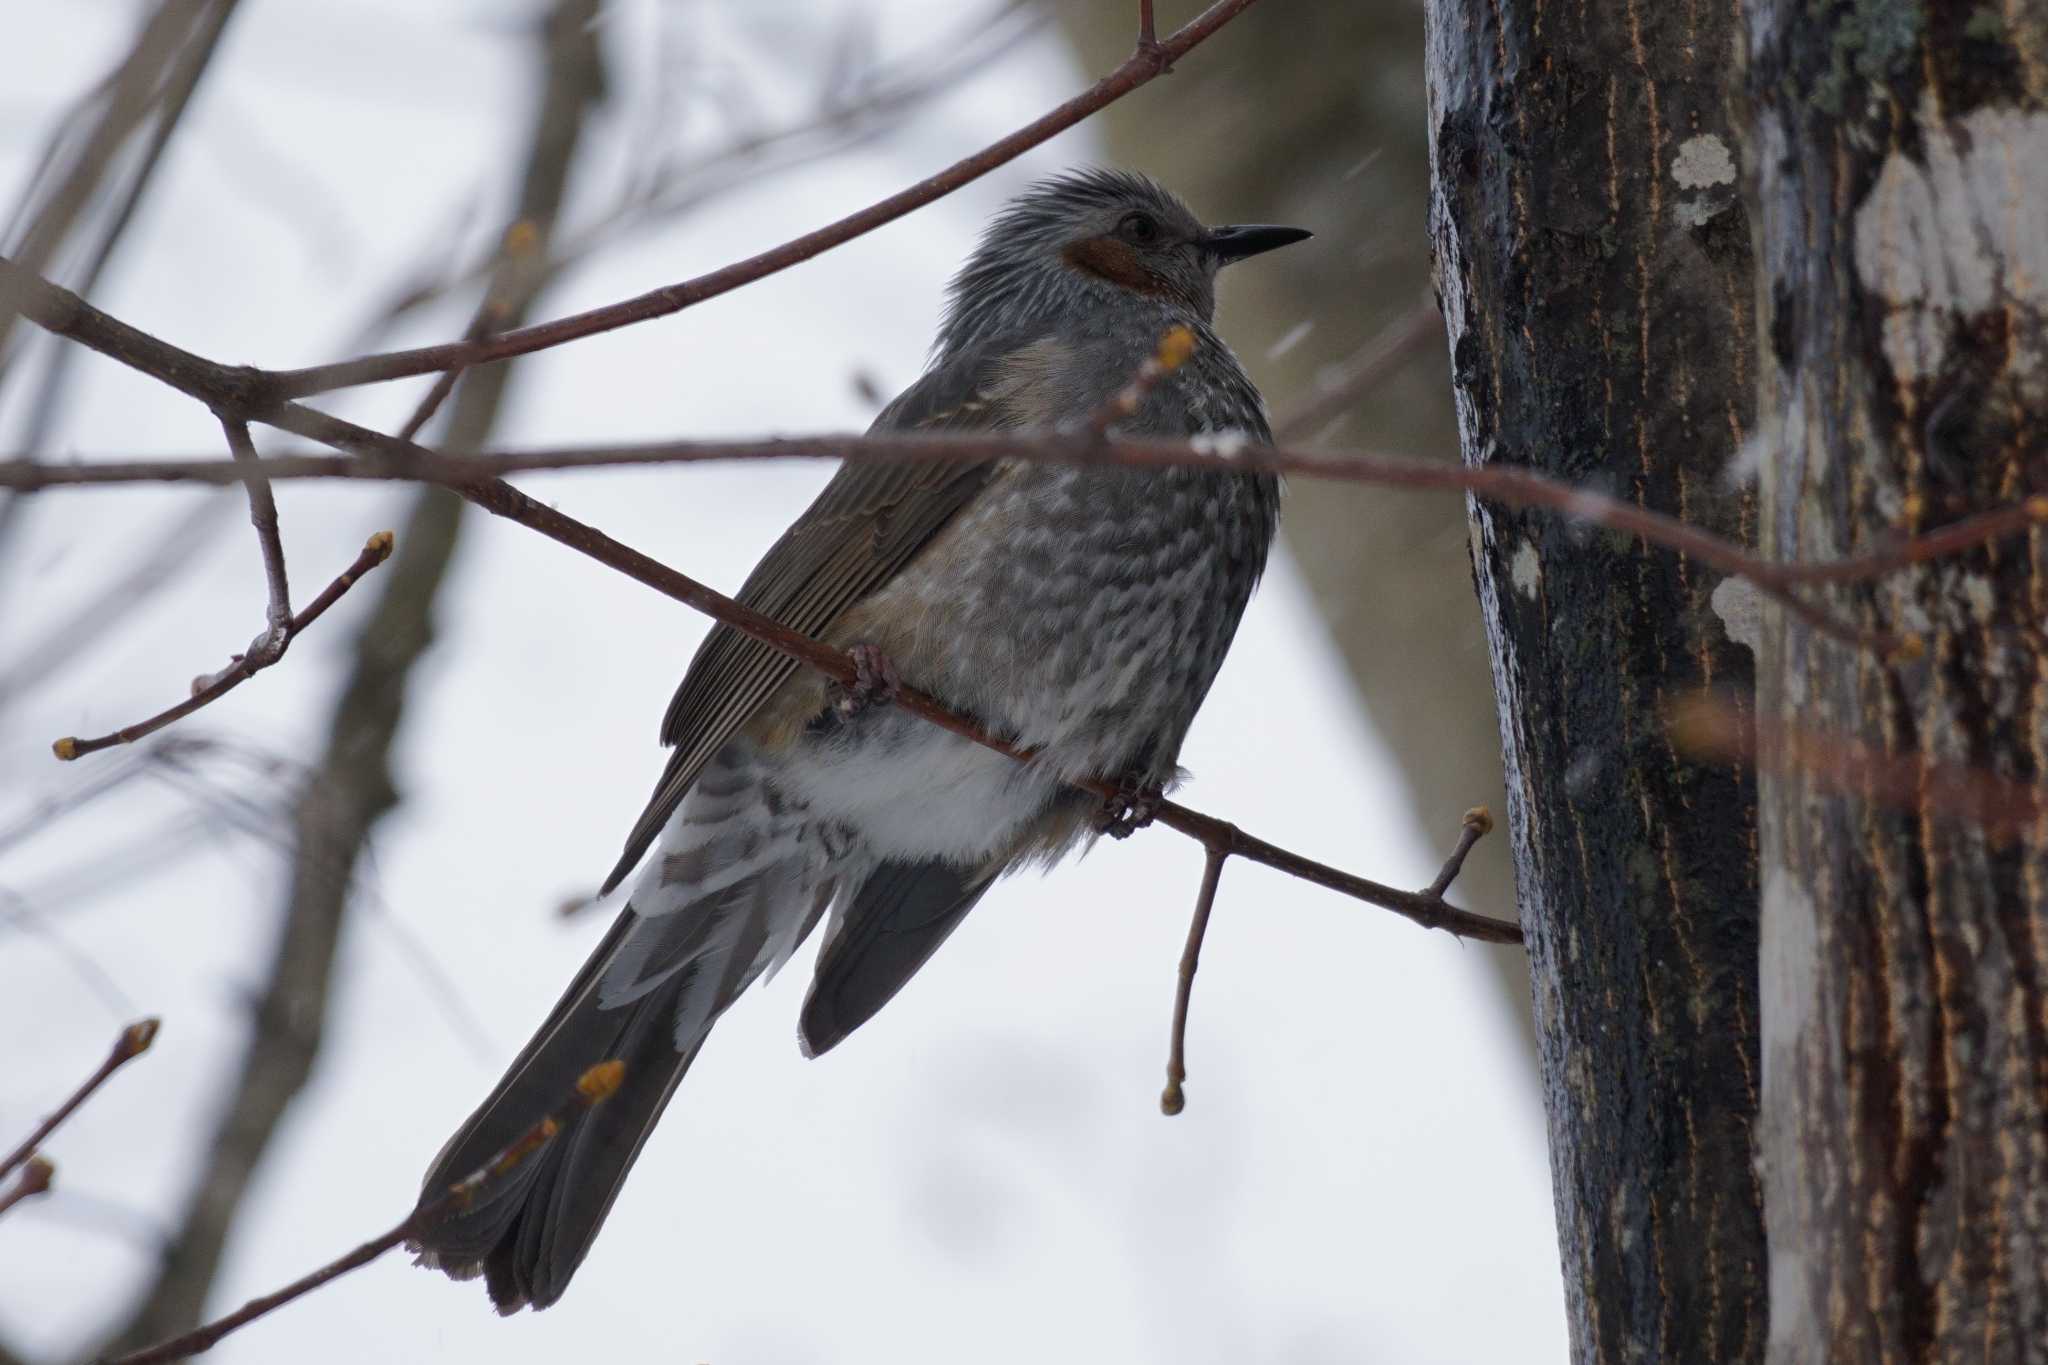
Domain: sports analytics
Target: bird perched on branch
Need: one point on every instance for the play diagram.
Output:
(1081, 612)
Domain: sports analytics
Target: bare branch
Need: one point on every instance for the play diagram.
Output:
(373, 457)
(133, 1042)
(592, 1088)
(1141, 67)
(375, 551)
(1171, 1099)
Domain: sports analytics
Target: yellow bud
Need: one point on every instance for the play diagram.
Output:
(66, 748)
(601, 1081)
(1175, 347)
(380, 545)
(136, 1038)
(1480, 818)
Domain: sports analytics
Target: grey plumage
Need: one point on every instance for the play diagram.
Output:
(1080, 611)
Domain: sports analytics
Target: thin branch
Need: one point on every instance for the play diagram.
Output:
(373, 459)
(133, 1042)
(1171, 1099)
(35, 1179)
(593, 1087)
(1141, 67)
(375, 551)
(267, 648)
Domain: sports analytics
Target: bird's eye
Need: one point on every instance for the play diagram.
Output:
(1140, 228)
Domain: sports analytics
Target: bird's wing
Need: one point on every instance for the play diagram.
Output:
(866, 525)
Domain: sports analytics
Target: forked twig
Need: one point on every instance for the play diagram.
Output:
(1477, 825)
(209, 690)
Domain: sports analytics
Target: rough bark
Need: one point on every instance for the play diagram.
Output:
(1319, 109)
(1594, 265)
(1900, 162)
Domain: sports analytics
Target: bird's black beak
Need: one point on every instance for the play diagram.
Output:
(1240, 240)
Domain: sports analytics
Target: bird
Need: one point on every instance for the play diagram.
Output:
(1079, 611)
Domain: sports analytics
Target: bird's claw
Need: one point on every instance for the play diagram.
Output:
(1129, 811)
(875, 680)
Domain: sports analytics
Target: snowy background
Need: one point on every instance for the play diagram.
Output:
(981, 1172)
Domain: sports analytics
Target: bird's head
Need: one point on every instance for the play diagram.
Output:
(1091, 237)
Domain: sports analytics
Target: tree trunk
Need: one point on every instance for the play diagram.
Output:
(1594, 263)
(1900, 157)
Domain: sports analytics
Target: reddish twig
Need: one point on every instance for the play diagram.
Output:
(592, 1088)
(1511, 485)
(209, 690)
(133, 1042)
(1143, 65)
(35, 1179)
(1171, 1099)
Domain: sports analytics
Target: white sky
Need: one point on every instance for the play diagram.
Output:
(982, 1171)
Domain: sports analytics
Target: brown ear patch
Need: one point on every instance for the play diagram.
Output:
(1114, 261)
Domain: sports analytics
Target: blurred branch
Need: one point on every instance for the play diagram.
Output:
(132, 91)
(593, 1087)
(351, 787)
(1395, 344)
(208, 690)
(844, 119)
(132, 1043)
(170, 550)
(1141, 67)
(183, 79)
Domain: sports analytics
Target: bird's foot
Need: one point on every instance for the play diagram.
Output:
(875, 681)
(1130, 810)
